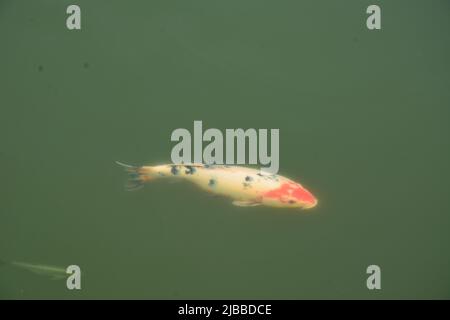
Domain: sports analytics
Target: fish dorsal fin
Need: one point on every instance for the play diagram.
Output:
(189, 164)
(246, 203)
(201, 165)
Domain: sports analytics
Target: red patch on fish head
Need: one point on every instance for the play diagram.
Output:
(301, 194)
(292, 193)
(279, 192)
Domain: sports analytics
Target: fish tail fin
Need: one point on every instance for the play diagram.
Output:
(137, 176)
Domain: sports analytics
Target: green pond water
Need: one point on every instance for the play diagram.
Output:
(364, 124)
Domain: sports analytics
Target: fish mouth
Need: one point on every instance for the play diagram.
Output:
(309, 205)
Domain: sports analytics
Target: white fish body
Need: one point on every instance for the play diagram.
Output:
(245, 186)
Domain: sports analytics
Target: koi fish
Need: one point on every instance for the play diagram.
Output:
(246, 187)
(53, 272)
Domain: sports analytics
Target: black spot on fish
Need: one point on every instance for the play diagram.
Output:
(291, 201)
(212, 182)
(260, 174)
(174, 170)
(248, 178)
(190, 170)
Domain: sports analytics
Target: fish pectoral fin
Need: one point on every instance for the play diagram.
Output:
(246, 203)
